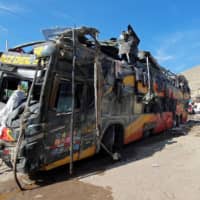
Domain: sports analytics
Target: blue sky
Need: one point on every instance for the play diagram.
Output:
(170, 29)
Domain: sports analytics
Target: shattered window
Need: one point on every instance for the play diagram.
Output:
(64, 98)
(86, 40)
(9, 85)
(90, 96)
(36, 92)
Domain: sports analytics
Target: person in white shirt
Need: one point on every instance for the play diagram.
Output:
(14, 101)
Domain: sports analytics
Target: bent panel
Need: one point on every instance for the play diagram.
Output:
(84, 154)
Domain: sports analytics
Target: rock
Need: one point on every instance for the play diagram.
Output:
(38, 196)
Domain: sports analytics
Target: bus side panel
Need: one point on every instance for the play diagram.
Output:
(160, 124)
(135, 130)
(90, 151)
(184, 117)
(164, 121)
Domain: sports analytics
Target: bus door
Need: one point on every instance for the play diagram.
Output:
(57, 142)
(88, 128)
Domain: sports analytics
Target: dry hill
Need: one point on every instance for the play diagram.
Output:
(193, 77)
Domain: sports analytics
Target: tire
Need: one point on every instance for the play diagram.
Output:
(113, 140)
(147, 133)
(177, 121)
(109, 138)
(181, 119)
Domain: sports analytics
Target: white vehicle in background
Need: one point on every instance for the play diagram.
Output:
(196, 107)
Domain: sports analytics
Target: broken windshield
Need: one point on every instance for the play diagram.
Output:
(11, 83)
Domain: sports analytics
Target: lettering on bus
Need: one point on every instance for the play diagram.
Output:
(27, 60)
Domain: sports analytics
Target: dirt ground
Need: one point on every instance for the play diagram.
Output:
(161, 167)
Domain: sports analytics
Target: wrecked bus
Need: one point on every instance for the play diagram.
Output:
(80, 97)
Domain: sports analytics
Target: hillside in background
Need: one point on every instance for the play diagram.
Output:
(193, 77)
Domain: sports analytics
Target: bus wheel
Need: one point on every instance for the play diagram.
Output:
(181, 119)
(113, 141)
(177, 121)
(108, 139)
(147, 133)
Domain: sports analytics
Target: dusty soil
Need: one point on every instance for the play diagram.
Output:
(162, 167)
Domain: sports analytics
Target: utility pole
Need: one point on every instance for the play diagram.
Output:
(6, 46)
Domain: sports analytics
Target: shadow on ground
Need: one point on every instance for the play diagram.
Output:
(99, 163)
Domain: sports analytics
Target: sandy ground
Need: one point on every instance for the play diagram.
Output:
(162, 167)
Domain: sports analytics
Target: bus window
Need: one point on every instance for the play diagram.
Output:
(63, 102)
(9, 85)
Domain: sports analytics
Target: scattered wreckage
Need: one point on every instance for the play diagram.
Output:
(83, 95)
